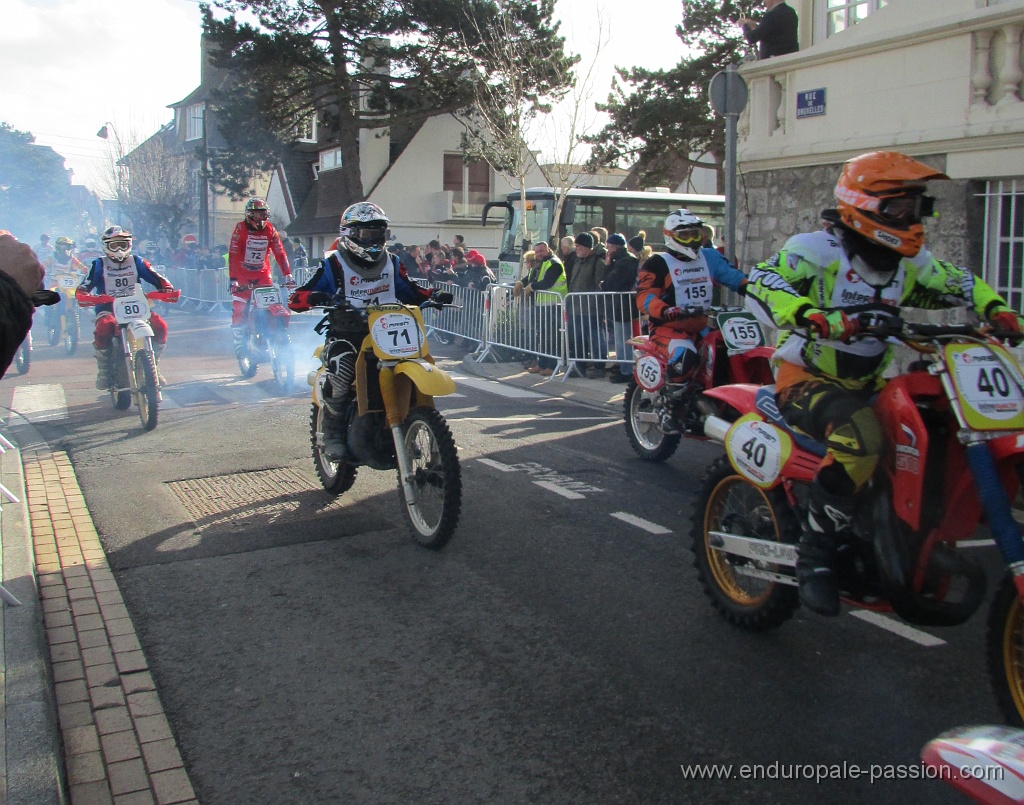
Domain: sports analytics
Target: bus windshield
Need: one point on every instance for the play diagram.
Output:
(626, 212)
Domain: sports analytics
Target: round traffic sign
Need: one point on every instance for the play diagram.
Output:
(728, 92)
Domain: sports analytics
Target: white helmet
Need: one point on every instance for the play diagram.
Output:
(364, 231)
(683, 234)
(117, 243)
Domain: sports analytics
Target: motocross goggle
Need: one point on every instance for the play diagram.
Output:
(258, 215)
(119, 245)
(906, 208)
(687, 237)
(366, 234)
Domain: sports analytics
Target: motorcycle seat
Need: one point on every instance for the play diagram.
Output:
(764, 400)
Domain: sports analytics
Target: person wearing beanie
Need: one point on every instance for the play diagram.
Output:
(586, 344)
(639, 248)
(620, 277)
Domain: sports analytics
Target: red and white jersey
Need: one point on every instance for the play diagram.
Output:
(250, 249)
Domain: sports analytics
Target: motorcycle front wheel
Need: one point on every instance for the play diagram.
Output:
(282, 362)
(1005, 651)
(149, 391)
(335, 476)
(433, 512)
(23, 357)
(646, 437)
(72, 332)
(727, 502)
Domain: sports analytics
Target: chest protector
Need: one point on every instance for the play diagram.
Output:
(119, 279)
(690, 279)
(254, 254)
(361, 291)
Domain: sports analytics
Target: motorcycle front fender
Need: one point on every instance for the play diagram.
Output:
(139, 329)
(427, 378)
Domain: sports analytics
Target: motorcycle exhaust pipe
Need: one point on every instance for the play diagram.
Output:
(715, 428)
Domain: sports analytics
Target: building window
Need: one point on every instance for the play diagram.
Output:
(194, 121)
(305, 131)
(1004, 240)
(838, 15)
(470, 183)
(330, 159)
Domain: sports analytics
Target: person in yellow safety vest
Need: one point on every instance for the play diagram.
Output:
(550, 276)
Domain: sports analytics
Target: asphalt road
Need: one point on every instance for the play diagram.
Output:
(559, 650)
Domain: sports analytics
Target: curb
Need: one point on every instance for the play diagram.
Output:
(118, 748)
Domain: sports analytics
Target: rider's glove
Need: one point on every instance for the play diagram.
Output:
(674, 314)
(1007, 322)
(317, 298)
(442, 297)
(833, 325)
(233, 287)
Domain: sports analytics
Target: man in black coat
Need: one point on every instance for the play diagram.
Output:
(620, 276)
(777, 31)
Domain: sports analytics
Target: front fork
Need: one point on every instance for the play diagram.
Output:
(390, 396)
(997, 507)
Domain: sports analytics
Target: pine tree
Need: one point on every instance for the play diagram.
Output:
(659, 118)
(356, 65)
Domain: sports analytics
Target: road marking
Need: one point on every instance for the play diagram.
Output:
(558, 490)
(898, 628)
(975, 543)
(40, 403)
(495, 387)
(496, 464)
(639, 522)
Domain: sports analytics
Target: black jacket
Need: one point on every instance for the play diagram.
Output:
(777, 32)
(15, 320)
(621, 276)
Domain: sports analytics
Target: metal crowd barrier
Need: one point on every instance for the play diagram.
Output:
(465, 319)
(525, 325)
(590, 328)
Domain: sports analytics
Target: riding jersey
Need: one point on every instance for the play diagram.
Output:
(391, 284)
(813, 271)
(249, 253)
(54, 267)
(120, 278)
(666, 281)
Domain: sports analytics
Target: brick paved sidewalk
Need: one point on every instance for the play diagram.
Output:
(118, 746)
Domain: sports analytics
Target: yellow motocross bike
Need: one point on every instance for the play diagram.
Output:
(62, 319)
(392, 422)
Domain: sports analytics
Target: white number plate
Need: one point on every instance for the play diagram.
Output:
(263, 297)
(130, 308)
(67, 281)
(988, 388)
(757, 450)
(396, 335)
(740, 331)
(649, 374)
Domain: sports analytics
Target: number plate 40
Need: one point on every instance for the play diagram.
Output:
(989, 386)
(758, 450)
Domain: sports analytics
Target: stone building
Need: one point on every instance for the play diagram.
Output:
(940, 81)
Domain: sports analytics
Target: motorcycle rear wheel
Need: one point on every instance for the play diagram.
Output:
(646, 438)
(436, 478)
(23, 357)
(246, 363)
(728, 502)
(1005, 651)
(335, 477)
(149, 391)
(282, 362)
(122, 400)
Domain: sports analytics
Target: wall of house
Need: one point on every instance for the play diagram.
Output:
(940, 81)
(411, 192)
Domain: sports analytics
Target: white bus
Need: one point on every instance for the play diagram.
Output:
(623, 211)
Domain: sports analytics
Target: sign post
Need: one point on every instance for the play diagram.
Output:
(728, 95)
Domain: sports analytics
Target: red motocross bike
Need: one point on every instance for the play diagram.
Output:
(953, 424)
(659, 412)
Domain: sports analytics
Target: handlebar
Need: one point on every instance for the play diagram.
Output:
(89, 300)
(43, 298)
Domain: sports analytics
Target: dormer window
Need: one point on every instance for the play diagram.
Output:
(330, 159)
(194, 121)
(305, 130)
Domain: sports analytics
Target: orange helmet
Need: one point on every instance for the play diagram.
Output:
(881, 197)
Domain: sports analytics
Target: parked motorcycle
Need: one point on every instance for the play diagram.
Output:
(984, 762)
(62, 320)
(266, 323)
(136, 374)
(392, 422)
(954, 430)
(658, 412)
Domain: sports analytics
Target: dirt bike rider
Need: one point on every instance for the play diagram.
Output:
(62, 261)
(249, 261)
(874, 255)
(362, 271)
(674, 289)
(116, 274)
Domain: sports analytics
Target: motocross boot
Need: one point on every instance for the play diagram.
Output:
(103, 369)
(335, 446)
(158, 350)
(238, 336)
(829, 517)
